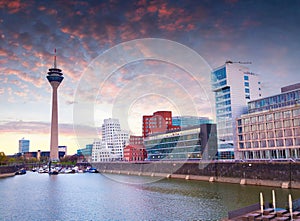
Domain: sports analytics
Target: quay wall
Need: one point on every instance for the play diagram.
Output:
(277, 174)
(6, 171)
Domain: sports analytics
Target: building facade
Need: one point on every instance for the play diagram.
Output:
(24, 145)
(136, 140)
(100, 152)
(159, 122)
(233, 85)
(192, 143)
(112, 144)
(121, 139)
(188, 121)
(135, 153)
(271, 130)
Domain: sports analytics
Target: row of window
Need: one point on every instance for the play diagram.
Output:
(270, 126)
(270, 134)
(272, 154)
(288, 142)
(270, 117)
(282, 98)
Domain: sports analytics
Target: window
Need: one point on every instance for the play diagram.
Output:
(287, 114)
(271, 143)
(219, 74)
(270, 134)
(289, 142)
(269, 117)
(269, 126)
(247, 90)
(288, 132)
(297, 122)
(296, 112)
(263, 143)
(277, 115)
(254, 136)
(286, 123)
(261, 127)
(279, 143)
(279, 133)
(253, 119)
(262, 135)
(246, 78)
(261, 118)
(246, 84)
(278, 124)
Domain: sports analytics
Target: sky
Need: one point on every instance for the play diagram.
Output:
(125, 59)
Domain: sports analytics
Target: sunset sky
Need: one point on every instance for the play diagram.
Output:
(265, 33)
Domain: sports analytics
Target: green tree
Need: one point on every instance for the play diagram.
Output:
(3, 158)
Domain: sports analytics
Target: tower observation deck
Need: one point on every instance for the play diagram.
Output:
(55, 78)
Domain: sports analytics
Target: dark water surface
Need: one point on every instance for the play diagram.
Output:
(119, 197)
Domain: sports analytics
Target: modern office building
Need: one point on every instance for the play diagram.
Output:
(101, 152)
(121, 139)
(271, 130)
(55, 78)
(191, 143)
(109, 128)
(85, 154)
(113, 142)
(159, 122)
(188, 121)
(234, 86)
(87, 151)
(24, 145)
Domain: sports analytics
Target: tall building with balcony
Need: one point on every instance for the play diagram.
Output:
(233, 85)
(271, 129)
(24, 145)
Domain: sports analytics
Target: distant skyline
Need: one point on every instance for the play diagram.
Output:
(265, 33)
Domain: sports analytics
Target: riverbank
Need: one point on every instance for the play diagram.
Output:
(273, 174)
(8, 171)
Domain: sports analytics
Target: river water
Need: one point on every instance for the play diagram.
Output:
(89, 196)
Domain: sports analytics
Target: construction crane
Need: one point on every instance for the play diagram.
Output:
(238, 62)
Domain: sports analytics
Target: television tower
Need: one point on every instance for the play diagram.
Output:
(55, 78)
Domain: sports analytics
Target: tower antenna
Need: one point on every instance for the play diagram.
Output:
(55, 58)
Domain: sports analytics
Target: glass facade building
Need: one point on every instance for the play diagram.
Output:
(24, 145)
(188, 121)
(192, 143)
(233, 86)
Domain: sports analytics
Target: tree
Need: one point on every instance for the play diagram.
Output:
(3, 158)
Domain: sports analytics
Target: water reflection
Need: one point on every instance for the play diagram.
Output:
(97, 197)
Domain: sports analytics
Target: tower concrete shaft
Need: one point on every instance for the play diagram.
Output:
(54, 123)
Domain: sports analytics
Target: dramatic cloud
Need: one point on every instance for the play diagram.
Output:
(263, 32)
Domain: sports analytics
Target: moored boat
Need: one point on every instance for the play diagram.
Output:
(21, 172)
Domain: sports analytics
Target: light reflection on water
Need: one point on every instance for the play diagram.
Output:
(114, 197)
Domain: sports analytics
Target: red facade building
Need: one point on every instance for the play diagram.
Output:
(134, 153)
(159, 122)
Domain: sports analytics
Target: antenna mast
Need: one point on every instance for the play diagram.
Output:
(55, 58)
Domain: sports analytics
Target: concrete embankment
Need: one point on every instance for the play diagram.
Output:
(7, 171)
(274, 174)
